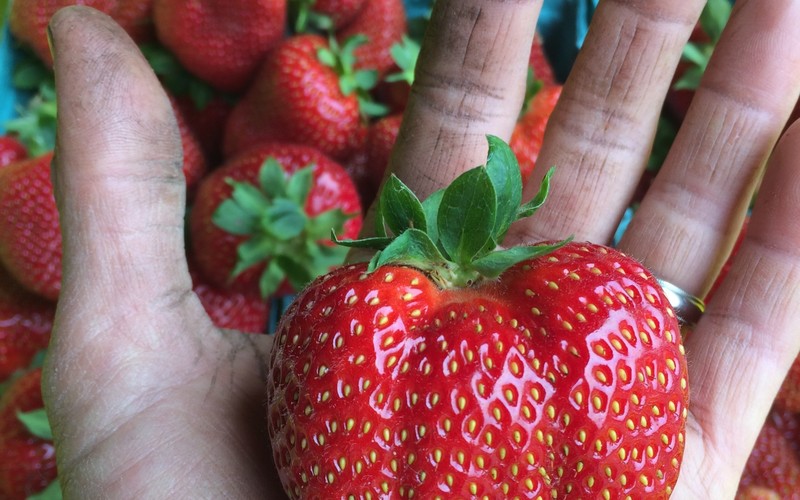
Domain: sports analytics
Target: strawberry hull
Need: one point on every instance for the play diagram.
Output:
(555, 379)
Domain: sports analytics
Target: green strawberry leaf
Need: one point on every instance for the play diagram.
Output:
(284, 219)
(401, 208)
(372, 109)
(36, 423)
(413, 247)
(321, 225)
(175, 77)
(271, 278)
(375, 242)
(272, 179)
(714, 17)
(299, 185)
(405, 54)
(690, 80)
(251, 252)
(431, 208)
(696, 54)
(536, 203)
(493, 264)
(52, 492)
(503, 169)
(467, 215)
(327, 57)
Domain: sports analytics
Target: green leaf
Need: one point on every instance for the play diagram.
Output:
(494, 264)
(36, 423)
(714, 17)
(375, 242)
(503, 169)
(400, 207)
(371, 109)
(29, 75)
(271, 278)
(413, 247)
(696, 54)
(252, 252)
(52, 492)
(272, 178)
(299, 185)
(296, 273)
(284, 220)
(690, 80)
(320, 226)
(532, 206)
(327, 57)
(230, 217)
(467, 214)
(431, 208)
(366, 79)
(405, 54)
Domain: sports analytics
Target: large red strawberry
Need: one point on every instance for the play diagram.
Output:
(264, 216)
(30, 238)
(306, 92)
(28, 20)
(27, 460)
(528, 135)
(444, 368)
(221, 41)
(26, 321)
(11, 150)
(383, 22)
(231, 309)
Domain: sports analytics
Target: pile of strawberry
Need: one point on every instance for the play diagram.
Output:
(287, 111)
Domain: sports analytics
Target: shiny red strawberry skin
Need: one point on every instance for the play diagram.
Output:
(295, 98)
(564, 377)
(30, 238)
(214, 250)
(220, 41)
(26, 321)
(341, 12)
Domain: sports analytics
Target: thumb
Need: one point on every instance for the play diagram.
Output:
(117, 170)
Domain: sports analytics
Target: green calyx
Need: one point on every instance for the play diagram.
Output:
(454, 234)
(35, 123)
(713, 19)
(295, 246)
(405, 54)
(175, 77)
(306, 19)
(342, 59)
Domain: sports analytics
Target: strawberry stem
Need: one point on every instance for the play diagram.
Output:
(454, 234)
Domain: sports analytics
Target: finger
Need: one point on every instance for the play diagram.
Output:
(692, 214)
(743, 346)
(469, 82)
(601, 131)
(117, 172)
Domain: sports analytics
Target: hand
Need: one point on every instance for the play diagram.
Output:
(147, 397)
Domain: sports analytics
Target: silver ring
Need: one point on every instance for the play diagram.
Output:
(687, 307)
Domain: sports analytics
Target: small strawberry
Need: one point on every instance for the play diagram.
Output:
(528, 135)
(27, 456)
(446, 368)
(30, 238)
(11, 150)
(28, 20)
(230, 309)
(540, 64)
(325, 15)
(774, 462)
(383, 22)
(26, 321)
(221, 41)
(267, 215)
(307, 92)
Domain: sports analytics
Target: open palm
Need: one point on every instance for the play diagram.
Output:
(148, 399)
